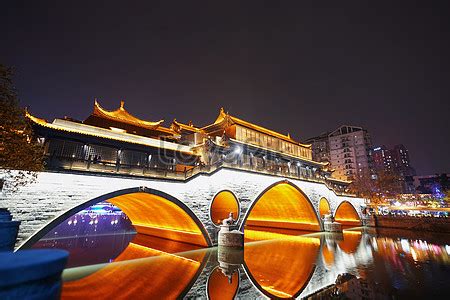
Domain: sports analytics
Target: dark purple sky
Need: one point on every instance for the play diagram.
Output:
(288, 65)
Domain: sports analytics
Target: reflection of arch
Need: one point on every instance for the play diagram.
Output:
(141, 272)
(219, 286)
(327, 255)
(222, 204)
(324, 207)
(281, 268)
(346, 214)
(282, 205)
(350, 242)
(151, 212)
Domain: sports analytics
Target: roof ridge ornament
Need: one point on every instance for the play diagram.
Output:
(122, 115)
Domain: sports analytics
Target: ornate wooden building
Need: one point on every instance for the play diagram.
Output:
(112, 141)
(118, 142)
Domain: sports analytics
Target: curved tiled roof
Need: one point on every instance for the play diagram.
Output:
(123, 116)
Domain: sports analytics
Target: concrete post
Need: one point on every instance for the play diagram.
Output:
(229, 236)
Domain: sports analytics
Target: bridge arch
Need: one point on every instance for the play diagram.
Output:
(347, 215)
(324, 207)
(163, 264)
(282, 268)
(151, 212)
(282, 205)
(219, 286)
(221, 205)
(350, 242)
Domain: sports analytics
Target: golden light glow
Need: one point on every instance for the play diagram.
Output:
(328, 256)
(178, 126)
(35, 119)
(282, 268)
(124, 116)
(137, 273)
(224, 117)
(154, 215)
(78, 128)
(283, 206)
(350, 242)
(324, 207)
(346, 214)
(283, 153)
(222, 204)
(253, 234)
(219, 288)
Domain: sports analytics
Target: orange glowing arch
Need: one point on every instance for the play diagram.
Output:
(347, 215)
(222, 204)
(281, 268)
(350, 242)
(327, 255)
(324, 207)
(142, 272)
(151, 212)
(282, 205)
(221, 287)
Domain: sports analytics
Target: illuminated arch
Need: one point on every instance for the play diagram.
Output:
(127, 277)
(282, 205)
(324, 207)
(347, 215)
(350, 242)
(327, 255)
(222, 204)
(281, 268)
(219, 286)
(151, 212)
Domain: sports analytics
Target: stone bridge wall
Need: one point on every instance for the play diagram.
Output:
(54, 193)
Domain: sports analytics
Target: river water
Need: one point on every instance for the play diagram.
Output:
(109, 260)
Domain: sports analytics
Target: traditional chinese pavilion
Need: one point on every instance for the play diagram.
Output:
(118, 142)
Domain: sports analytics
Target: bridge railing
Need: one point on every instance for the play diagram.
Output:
(107, 167)
(170, 172)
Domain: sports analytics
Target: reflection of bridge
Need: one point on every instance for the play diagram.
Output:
(286, 267)
(183, 211)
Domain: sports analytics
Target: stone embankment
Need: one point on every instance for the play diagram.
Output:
(411, 223)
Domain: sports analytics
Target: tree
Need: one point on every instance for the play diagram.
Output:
(388, 184)
(364, 186)
(21, 156)
(377, 190)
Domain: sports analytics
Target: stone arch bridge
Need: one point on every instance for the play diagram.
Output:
(186, 211)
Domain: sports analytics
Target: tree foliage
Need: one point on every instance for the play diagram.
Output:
(20, 154)
(377, 190)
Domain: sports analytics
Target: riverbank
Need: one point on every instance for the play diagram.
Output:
(411, 223)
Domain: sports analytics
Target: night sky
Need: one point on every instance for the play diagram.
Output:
(290, 66)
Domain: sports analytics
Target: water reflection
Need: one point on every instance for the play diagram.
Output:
(108, 259)
(415, 264)
(328, 255)
(222, 286)
(281, 267)
(350, 241)
(94, 235)
(140, 271)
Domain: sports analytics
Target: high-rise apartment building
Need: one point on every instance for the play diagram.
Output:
(395, 161)
(348, 149)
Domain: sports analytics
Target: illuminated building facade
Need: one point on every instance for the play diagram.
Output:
(347, 149)
(395, 161)
(118, 142)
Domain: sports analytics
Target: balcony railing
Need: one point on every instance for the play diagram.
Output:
(170, 172)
